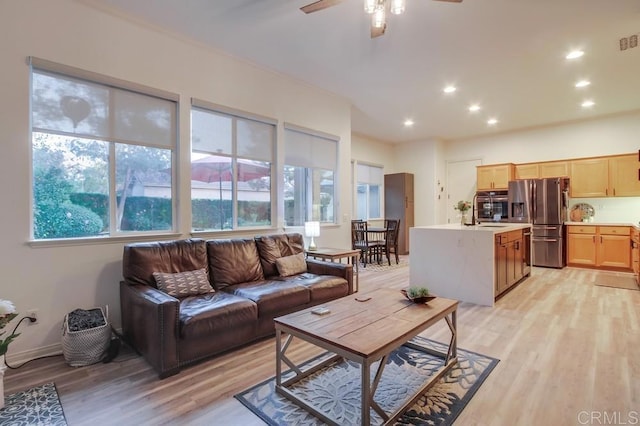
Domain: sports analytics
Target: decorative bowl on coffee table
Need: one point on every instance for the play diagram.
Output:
(419, 299)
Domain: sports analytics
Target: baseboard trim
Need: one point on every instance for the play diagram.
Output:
(31, 354)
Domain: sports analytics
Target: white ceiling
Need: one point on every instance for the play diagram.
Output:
(507, 55)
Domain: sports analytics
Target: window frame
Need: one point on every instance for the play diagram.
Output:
(310, 170)
(368, 183)
(45, 67)
(234, 114)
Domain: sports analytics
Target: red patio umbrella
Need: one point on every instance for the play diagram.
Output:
(215, 168)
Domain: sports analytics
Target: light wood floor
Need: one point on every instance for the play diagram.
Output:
(569, 350)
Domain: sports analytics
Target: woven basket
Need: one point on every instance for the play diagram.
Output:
(85, 347)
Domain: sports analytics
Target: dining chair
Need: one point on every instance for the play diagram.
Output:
(391, 239)
(360, 240)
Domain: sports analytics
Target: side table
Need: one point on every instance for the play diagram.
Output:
(333, 254)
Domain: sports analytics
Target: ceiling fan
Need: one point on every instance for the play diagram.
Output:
(376, 8)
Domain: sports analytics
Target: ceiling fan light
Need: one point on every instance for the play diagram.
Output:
(397, 6)
(379, 18)
(370, 6)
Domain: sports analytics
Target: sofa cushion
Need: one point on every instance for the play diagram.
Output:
(273, 247)
(291, 265)
(272, 296)
(183, 284)
(208, 314)
(233, 261)
(141, 260)
(322, 287)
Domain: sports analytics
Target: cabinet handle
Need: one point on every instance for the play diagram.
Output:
(606, 191)
(600, 239)
(594, 239)
(614, 192)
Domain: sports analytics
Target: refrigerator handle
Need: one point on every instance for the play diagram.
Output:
(534, 201)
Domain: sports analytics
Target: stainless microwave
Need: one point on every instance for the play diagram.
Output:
(492, 206)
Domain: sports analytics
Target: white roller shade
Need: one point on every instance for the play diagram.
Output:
(308, 150)
(72, 106)
(372, 175)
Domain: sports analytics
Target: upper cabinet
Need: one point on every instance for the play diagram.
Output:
(624, 175)
(546, 169)
(589, 178)
(605, 177)
(551, 169)
(527, 171)
(495, 176)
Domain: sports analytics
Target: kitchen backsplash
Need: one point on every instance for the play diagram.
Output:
(612, 210)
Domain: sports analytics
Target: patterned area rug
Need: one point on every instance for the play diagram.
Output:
(35, 406)
(384, 266)
(336, 389)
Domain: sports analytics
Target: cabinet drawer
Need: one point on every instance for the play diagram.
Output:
(614, 230)
(582, 229)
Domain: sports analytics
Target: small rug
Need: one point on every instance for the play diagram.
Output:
(626, 282)
(336, 389)
(36, 406)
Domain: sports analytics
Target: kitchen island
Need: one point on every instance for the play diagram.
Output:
(469, 263)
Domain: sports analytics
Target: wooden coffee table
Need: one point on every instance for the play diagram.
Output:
(364, 332)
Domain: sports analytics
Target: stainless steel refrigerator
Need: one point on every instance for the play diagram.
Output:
(543, 203)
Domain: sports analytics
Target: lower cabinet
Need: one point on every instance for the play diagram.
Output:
(599, 246)
(635, 253)
(509, 258)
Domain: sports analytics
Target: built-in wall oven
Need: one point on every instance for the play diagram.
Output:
(492, 206)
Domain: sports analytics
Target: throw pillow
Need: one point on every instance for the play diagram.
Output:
(182, 284)
(291, 265)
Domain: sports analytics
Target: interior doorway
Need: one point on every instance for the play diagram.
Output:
(461, 185)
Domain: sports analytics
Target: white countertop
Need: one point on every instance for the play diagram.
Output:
(487, 227)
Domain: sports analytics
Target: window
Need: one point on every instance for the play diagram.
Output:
(231, 159)
(309, 176)
(101, 155)
(369, 191)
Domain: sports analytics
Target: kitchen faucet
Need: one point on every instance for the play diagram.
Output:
(473, 207)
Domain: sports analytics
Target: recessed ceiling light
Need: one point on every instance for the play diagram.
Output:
(408, 122)
(474, 108)
(492, 121)
(583, 83)
(588, 104)
(449, 89)
(574, 54)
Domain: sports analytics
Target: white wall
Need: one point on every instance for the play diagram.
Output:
(424, 160)
(58, 279)
(605, 136)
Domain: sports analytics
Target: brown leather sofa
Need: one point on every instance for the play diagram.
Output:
(172, 332)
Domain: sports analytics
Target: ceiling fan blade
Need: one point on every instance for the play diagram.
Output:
(319, 5)
(377, 32)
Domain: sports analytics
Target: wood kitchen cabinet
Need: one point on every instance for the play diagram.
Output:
(551, 169)
(589, 178)
(624, 180)
(509, 259)
(605, 177)
(527, 171)
(606, 247)
(399, 204)
(635, 253)
(496, 176)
